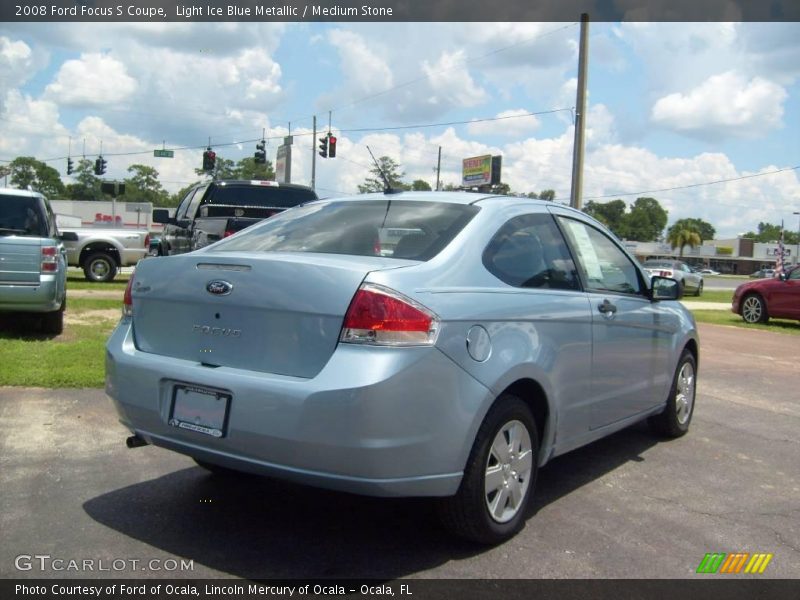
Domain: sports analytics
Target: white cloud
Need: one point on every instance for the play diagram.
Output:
(16, 62)
(450, 82)
(30, 126)
(93, 80)
(726, 104)
(508, 125)
(366, 70)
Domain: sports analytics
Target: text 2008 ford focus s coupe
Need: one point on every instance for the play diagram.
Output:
(412, 344)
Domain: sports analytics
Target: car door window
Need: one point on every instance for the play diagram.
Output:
(602, 264)
(180, 213)
(530, 252)
(191, 211)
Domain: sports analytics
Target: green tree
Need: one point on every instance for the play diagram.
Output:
(87, 184)
(645, 222)
(611, 214)
(767, 232)
(547, 195)
(682, 237)
(144, 186)
(705, 230)
(419, 185)
(26, 172)
(224, 168)
(248, 168)
(390, 169)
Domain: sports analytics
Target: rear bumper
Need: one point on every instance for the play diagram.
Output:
(46, 296)
(374, 421)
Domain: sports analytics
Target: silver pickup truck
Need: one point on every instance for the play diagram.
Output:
(101, 252)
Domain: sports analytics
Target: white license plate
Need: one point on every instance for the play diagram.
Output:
(200, 409)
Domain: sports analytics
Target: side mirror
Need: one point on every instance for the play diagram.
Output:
(183, 223)
(664, 288)
(161, 215)
(68, 236)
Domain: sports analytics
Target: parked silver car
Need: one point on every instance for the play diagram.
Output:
(492, 335)
(688, 279)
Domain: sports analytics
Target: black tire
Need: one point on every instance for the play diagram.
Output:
(753, 309)
(467, 514)
(699, 289)
(100, 267)
(674, 421)
(53, 323)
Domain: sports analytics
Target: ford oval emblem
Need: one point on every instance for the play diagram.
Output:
(219, 287)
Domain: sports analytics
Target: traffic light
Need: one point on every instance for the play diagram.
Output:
(323, 147)
(100, 165)
(331, 146)
(209, 159)
(261, 153)
(69, 166)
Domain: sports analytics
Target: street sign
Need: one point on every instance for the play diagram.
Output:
(164, 153)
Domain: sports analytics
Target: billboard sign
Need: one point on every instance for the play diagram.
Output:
(476, 171)
(283, 164)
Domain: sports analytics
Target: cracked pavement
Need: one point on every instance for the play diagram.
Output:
(628, 506)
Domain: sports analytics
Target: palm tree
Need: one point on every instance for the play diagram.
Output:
(679, 238)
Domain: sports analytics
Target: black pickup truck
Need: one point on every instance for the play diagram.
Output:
(213, 210)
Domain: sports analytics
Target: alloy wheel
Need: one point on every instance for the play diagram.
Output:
(684, 393)
(508, 471)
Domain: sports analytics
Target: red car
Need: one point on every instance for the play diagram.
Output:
(778, 297)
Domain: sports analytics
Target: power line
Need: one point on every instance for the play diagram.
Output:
(694, 185)
(309, 133)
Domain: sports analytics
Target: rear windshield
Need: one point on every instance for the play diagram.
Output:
(391, 228)
(260, 195)
(22, 215)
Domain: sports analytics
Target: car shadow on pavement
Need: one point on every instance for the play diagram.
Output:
(259, 528)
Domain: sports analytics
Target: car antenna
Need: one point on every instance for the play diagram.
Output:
(387, 187)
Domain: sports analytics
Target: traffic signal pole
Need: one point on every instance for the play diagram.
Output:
(314, 157)
(576, 197)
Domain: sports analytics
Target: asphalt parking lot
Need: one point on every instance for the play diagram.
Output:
(628, 506)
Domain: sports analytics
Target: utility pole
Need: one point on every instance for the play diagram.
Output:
(576, 198)
(438, 168)
(797, 256)
(314, 156)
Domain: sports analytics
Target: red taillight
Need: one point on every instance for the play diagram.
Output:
(378, 315)
(147, 242)
(127, 299)
(228, 233)
(49, 259)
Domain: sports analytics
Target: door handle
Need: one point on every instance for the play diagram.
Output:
(606, 308)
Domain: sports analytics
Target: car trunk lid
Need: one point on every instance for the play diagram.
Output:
(273, 312)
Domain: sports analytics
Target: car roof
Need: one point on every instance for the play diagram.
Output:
(455, 197)
(24, 193)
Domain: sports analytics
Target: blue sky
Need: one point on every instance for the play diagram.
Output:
(670, 104)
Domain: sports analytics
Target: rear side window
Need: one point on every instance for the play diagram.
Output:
(529, 252)
(260, 195)
(23, 216)
(390, 228)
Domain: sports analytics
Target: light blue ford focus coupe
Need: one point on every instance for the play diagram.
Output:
(403, 344)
